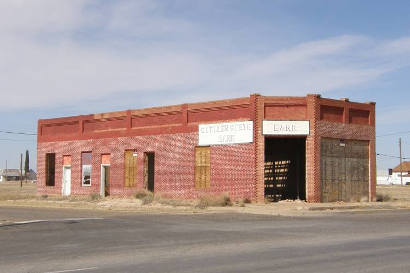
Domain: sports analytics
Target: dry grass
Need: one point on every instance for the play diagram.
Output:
(394, 192)
(94, 197)
(142, 193)
(148, 197)
(163, 200)
(145, 196)
(12, 191)
(221, 200)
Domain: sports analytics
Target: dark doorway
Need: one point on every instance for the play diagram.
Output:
(105, 180)
(149, 170)
(285, 164)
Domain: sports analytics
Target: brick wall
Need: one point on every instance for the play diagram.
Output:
(232, 167)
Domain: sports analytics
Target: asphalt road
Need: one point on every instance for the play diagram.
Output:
(108, 242)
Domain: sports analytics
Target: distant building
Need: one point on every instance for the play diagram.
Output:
(393, 177)
(9, 175)
(383, 177)
(14, 175)
(401, 170)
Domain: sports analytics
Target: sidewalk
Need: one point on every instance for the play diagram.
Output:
(283, 208)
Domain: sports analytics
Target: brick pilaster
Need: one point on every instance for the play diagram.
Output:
(372, 169)
(313, 183)
(372, 156)
(184, 109)
(129, 120)
(257, 105)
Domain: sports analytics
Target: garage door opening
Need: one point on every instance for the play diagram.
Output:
(285, 168)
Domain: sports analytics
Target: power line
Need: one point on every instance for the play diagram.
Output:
(34, 134)
(17, 133)
(393, 134)
(391, 156)
(18, 140)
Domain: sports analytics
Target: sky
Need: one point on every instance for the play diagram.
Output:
(71, 57)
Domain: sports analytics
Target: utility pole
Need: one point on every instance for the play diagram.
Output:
(5, 175)
(21, 170)
(401, 161)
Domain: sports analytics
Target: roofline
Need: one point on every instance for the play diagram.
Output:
(193, 105)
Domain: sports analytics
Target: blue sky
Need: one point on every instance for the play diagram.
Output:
(71, 57)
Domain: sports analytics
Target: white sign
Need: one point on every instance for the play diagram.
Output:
(225, 133)
(285, 127)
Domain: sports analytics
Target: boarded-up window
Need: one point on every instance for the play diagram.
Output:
(202, 167)
(86, 168)
(50, 169)
(67, 160)
(130, 168)
(106, 159)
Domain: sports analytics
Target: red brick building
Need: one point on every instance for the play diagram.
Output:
(257, 147)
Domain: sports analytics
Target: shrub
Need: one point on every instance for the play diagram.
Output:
(142, 193)
(383, 197)
(202, 204)
(147, 199)
(44, 196)
(222, 200)
(241, 203)
(94, 196)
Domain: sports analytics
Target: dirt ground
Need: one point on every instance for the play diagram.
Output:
(395, 192)
(394, 197)
(13, 191)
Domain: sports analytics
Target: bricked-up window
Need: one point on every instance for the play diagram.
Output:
(86, 168)
(50, 169)
(202, 167)
(130, 168)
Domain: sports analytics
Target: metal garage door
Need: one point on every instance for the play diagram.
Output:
(344, 170)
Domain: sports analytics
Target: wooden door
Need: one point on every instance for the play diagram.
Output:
(344, 170)
(130, 168)
(66, 181)
(202, 167)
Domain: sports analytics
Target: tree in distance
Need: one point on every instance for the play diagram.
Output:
(27, 165)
